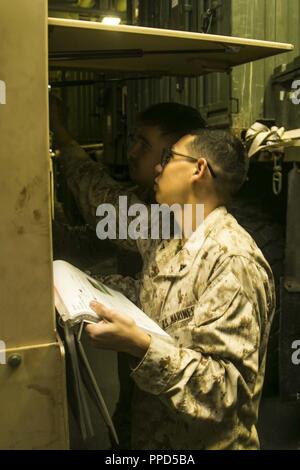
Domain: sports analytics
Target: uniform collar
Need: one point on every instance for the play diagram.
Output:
(175, 259)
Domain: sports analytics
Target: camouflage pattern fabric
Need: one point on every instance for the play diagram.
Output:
(202, 391)
(216, 300)
(127, 285)
(91, 186)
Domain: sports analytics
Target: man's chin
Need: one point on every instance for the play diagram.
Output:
(161, 200)
(158, 197)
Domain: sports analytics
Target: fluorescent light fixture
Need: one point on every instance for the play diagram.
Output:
(111, 20)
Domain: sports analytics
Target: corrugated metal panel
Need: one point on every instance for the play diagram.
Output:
(244, 95)
(82, 102)
(209, 94)
(183, 15)
(248, 83)
(216, 86)
(268, 19)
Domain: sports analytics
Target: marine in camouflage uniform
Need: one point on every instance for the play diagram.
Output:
(202, 389)
(157, 127)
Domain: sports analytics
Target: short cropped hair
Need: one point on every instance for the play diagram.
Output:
(172, 118)
(227, 156)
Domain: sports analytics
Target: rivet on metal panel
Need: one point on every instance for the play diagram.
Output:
(14, 360)
(289, 286)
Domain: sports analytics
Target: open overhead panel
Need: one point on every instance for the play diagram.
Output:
(94, 46)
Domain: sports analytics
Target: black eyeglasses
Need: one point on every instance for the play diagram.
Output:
(168, 153)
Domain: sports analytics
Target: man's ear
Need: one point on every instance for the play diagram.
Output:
(201, 166)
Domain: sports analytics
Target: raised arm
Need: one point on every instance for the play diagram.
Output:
(90, 182)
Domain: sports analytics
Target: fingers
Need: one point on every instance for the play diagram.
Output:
(102, 335)
(103, 312)
(96, 329)
(104, 327)
(116, 332)
(109, 315)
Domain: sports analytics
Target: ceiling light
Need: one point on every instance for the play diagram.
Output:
(111, 20)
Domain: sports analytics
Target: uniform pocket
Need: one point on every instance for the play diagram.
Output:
(216, 299)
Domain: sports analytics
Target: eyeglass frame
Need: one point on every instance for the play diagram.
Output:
(168, 153)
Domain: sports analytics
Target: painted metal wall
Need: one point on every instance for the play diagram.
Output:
(32, 377)
(275, 20)
(242, 96)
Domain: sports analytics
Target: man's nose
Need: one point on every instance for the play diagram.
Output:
(158, 169)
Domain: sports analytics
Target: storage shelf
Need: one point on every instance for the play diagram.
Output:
(94, 46)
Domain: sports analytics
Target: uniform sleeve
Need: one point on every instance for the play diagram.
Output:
(127, 285)
(219, 368)
(91, 186)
